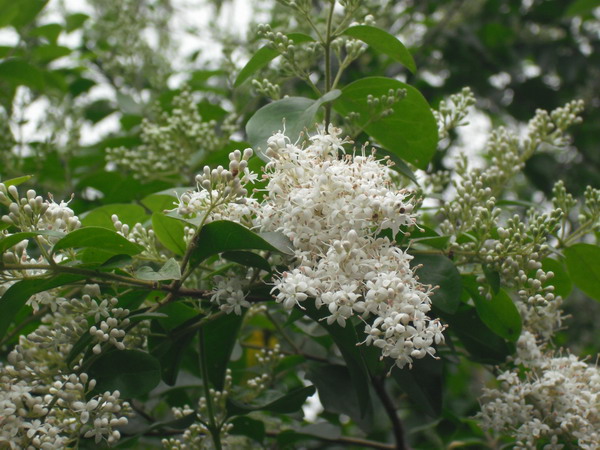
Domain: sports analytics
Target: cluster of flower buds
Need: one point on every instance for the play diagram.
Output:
(219, 187)
(32, 212)
(110, 331)
(198, 435)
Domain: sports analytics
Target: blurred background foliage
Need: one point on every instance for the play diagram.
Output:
(77, 78)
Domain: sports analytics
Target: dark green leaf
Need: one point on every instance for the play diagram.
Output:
(101, 217)
(484, 345)
(336, 391)
(220, 336)
(17, 295)
(170, 352)
(132, 372)
(438, 270)
(246, 426)
(170, 271)
(14, 239)
(492, 277)
(347, 341)
(101, 238)
(263, 56)
(248, 259)
(287, 404)
(383, 42)
(169, 232)
(410, 131)
(222, 235)
(399, 165)
(583, 264)
(20, 72)
(423, 383)
(561, 280)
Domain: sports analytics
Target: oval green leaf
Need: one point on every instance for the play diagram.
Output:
(583, 264)
(101, 238)
(499, 314)
(132, 372)
(439, 271)
(383, 42)
(410, 131)
(264, 56)
(102, 217)
(169, 232)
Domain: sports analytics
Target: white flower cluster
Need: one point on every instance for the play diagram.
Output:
(333, 207)
(43, 402)
(229, 294)
(546, 399)
(33, 213)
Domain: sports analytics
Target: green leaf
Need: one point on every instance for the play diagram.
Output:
(132, 372)
(499, 314)
(170, 352)
(14, 239)
(220, 336)
(75, 21)
(21, 72)
(17, 295)
(102, 217)
(438, 270)
(423, 383)
(263, 56)
(165, 200)
(169, 271)
(246, 426)
(17, 181)
(483, 344)
(49, 31)
(222, 235)
(169, 232)
(247, 259)
(292, 114)
(383, 42)
(428, 236)
(101, 238)
(561, 280)
(582, 8)
(583, 264)
(47, 53)
(289, 403)
(336, 391)
(410, 131)
(27, 12)
(492, 277)
(347, 341)
(399, 165)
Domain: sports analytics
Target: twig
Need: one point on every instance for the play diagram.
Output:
(390, 409)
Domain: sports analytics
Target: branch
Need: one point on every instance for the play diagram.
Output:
(345, 441)
(390, 409)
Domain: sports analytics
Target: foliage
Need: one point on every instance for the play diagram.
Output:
(192, 294)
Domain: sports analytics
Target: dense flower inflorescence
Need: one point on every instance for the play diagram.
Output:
(546, 398)
(44, 403)
(333, 208)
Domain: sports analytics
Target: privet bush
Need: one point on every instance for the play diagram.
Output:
(218, 261)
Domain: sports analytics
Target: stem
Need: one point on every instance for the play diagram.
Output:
(215, 431)
(327, 46)
(346, 441)
(390, 409)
